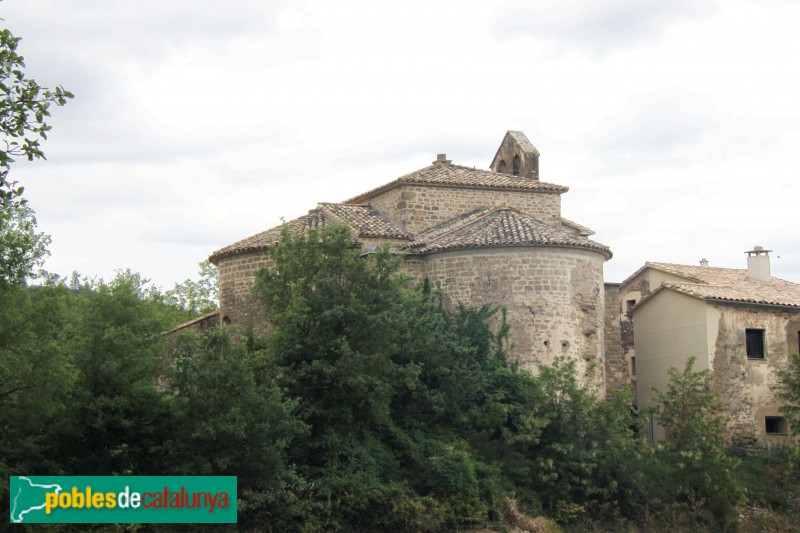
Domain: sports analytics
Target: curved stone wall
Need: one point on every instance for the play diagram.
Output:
(554, 297)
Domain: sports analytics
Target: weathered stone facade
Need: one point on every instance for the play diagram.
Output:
(739, 324)
(418, 208)
(618, 366)
(746, 385)
(497, 237)
(237, 303)
(552, 296)
(482, 237)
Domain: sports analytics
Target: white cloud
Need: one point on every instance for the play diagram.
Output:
(195, 125)
(594, 26)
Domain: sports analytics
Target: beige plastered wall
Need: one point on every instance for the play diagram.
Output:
(668, 330)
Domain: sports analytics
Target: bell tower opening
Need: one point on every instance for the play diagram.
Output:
(517, 149)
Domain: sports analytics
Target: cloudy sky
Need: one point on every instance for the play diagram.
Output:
(675, 124)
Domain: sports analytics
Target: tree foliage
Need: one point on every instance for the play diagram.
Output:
(692, 463)
(22, 248)
(24, 110)
(197, 297)
(368, 406)
(789, 392)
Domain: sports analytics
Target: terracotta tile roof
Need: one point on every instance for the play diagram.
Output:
(449, 175)
(492, 227)
(582, 230)
(368, 221)
(263, 240)
(213, 315)
(365, 220)
(725, 284)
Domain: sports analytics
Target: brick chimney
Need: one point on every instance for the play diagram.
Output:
(758, 264)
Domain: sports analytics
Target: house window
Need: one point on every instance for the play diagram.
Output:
(755, 343)
(515, 165)
(775, 425)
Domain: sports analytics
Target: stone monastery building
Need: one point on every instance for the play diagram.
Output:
(497, 237)
(483, 236)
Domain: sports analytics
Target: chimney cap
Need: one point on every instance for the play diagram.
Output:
(758, 250)
(442, 158)
(704, 262)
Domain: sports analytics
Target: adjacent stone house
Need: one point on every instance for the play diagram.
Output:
(482, 236)
(741, 324)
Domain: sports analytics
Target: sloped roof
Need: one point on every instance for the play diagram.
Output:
(449, 175)
(212, 315)
(582, 230)
(365, 220)
(493, 227)
(522, 141)
(723, 284)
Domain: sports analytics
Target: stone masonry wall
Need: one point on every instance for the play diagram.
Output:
(419, 207)
(747, 386)
(617, 371)
(236, 299)
(554, 298)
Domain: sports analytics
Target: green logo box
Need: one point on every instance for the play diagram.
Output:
(122, 499)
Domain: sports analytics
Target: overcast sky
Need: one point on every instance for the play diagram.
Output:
(675, 124)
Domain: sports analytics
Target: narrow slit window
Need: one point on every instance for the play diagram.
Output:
(755, 343)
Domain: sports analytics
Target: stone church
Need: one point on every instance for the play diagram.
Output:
(482, 236)
(497, 237)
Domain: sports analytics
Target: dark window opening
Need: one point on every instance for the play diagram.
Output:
(629, 304)
(515, 165)
(633, 366)
(501, 167)
(755, 343)
(775, 425)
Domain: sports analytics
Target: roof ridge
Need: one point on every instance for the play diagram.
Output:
(440, 174)
(501, 226)
(457, 223)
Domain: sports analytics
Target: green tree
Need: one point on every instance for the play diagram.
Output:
(197, 297)
(35, 370)
(116, 419)
(22, 248)
(408, 406)
(587, 463)
(789, 392)
(232, 419)
(24, 109)
(692, 464)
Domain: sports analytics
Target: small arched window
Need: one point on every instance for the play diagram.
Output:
(501, 167)
(515, 165)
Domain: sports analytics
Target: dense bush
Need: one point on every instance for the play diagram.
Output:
(369, 406)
